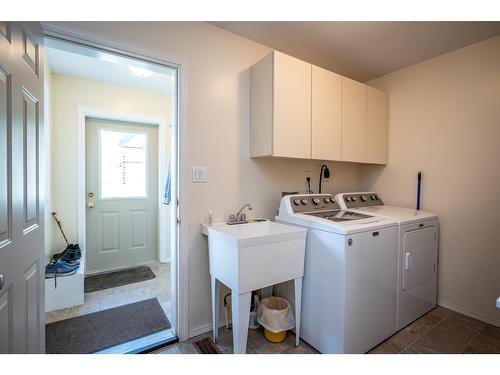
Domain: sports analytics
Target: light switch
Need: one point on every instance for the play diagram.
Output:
(200, 174)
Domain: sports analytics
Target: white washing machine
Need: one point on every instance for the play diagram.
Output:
(417, 252)
(349, 289)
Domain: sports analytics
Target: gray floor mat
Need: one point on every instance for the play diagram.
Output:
(103, 329)
(118, 278)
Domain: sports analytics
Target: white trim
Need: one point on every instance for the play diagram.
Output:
(180, 133)
(142, 343)
(205, 328)
(469, 313)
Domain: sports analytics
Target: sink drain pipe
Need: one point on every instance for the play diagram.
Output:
(226, 306)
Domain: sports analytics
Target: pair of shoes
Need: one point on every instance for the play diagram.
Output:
(71, 254)
(60, 268)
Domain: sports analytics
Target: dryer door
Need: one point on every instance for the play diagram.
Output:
(419, 256)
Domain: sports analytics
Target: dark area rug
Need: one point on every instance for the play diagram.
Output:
(118, 278)
(206, 346)
(103, 329)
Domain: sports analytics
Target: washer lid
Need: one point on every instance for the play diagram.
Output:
(339, 215)
(310, 220)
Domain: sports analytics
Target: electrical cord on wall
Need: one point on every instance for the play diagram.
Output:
(323, 172)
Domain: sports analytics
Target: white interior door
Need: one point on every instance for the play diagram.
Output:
(22, 322)
(122, 194)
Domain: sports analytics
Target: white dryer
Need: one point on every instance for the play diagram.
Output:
(349, 289)
(417, 252)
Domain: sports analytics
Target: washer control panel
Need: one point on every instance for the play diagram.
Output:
(353, 200)
(311, 202)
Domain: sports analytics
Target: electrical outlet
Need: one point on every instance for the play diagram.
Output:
(200, 174)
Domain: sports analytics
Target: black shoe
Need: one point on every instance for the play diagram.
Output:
(58, 256)
(72, 255)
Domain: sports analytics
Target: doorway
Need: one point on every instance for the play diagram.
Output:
(125, 184)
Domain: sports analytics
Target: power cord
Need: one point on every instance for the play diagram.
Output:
(323, 172)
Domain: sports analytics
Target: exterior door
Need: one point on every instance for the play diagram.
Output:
(22, 315)
(122, 194)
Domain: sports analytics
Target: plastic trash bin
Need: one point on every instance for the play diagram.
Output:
(276, 316)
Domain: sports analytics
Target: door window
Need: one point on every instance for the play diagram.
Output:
(122, 165)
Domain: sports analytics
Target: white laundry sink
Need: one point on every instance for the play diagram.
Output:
(247, 257)
(251, 256)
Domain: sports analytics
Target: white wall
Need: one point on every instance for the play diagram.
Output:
(216, 65)
(67, 93)
(444, 120)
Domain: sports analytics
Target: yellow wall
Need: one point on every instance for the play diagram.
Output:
(66, 94)
(444, 120)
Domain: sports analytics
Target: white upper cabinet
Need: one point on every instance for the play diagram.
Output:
(280, 113)
(326, 134)
(353, 120)
(298, 110)
(376, 126)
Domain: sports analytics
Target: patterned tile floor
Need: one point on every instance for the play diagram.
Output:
(438, 331)
(256, 344)
(158, 287)
(443, 331)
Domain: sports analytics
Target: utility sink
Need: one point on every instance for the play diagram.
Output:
(247, 257)
(251, 256)
(253, 234)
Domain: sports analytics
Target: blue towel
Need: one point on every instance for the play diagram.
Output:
(167, 194)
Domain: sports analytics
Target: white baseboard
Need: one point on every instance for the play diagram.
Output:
(204, 329)
(469, 313)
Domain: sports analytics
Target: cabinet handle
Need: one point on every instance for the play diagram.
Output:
(2, 281)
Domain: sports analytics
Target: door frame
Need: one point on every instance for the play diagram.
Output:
(82, 114)
(180, 171)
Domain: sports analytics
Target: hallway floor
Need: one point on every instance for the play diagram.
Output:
(439, 331)
(158, 287)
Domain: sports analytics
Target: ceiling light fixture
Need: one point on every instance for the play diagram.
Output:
(143, 73)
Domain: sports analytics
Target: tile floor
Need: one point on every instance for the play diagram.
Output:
(438, 331)
(158, 287)
(256, 344)
(443, 331)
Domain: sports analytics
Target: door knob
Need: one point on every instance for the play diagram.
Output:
(90, 205)
(2, 281)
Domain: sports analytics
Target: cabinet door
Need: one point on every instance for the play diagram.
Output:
(292, 107)
(376, 126)
(353, 120)
(326, 115)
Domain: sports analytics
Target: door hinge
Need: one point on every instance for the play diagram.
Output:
(178, 220)
(177, 201)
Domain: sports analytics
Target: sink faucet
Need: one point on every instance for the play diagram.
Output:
(239, 218)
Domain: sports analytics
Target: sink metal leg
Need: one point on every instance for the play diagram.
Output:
(298, 304)
(215, 308)
(241, 313)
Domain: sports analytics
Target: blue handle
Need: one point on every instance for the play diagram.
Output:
(419, 182)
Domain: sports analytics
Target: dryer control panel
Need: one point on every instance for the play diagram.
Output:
(312, 202)
(361, 199)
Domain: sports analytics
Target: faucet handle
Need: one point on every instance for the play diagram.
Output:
(232, 219)
(243, 217)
